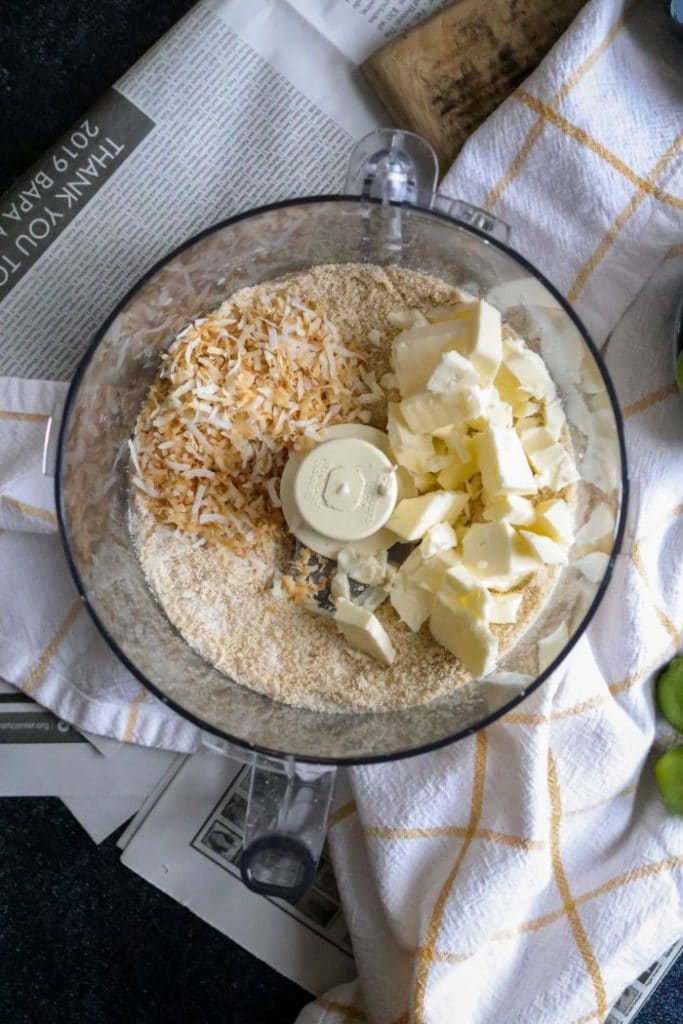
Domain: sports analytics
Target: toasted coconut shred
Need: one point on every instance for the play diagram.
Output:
(238, 390)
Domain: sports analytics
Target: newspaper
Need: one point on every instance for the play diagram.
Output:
(102, 783)
(632, 1000)
(187, 841)
(242, 103)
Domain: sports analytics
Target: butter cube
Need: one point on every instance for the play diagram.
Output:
(457, 442)
(597, 532)
(426, 413)
(440, 537)
(508, 387)
(459, 621)
(452, 372)
(484, 344)
(416, 353)
(503, 464)
(492, 549)
(551, 645)
(411, 450)
(593, 566)
(456, 474)
(553, 519)
(364, 631)
(553, 467)
(533, 436)
(510, 508)
(416, 582)
(547, 550)
(494, 553)
(529, 370)
(425, 482)
(504, 608)
(412, 517)
(555, 419)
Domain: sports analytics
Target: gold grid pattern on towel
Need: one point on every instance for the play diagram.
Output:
(426, 953)
(534, 133)
(37, 673)
(32, 511)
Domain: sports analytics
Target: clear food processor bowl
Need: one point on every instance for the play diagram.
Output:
(111, 383)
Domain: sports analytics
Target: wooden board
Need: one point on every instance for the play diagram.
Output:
(446, 75)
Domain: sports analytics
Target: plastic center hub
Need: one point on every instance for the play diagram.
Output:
(345, 488)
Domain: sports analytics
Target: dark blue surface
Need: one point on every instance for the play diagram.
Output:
(82, 939)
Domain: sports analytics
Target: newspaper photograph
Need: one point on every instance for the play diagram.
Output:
(189, 842)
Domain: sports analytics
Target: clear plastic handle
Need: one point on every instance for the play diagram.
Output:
(399, 167)
(285, 826)
(394, 166)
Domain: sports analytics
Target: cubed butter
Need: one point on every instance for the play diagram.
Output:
(416, 352)
(426, 413)
(459, 621)
(416, 582)
(554, 418)
(503, 464)
(529, 370)
(593, 566)
(425, 482)
(440, 537)
(510, 508)
(363, 630)
(457, 442)
(551, 645)
(504, 608)
(533, 436)
(553, 519)
(412, 517)
(411, 450)
(507, 386)
(597, 532)
(484, 345)
(553, 467)
(453, 371)
(548, 551)
(494, 550)
(456, 474)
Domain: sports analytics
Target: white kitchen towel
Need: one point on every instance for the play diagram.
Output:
(49, 647)
(526, 875)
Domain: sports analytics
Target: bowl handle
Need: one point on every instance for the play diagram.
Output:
(286, 824)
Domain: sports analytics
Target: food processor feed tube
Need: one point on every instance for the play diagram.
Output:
(390, 216)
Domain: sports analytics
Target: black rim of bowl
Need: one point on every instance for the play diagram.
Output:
(246, 744)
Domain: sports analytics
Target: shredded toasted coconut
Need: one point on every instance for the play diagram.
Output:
(238, 390)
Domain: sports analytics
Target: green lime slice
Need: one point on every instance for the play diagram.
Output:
(679, 371)
(669, 775)
(670, 692)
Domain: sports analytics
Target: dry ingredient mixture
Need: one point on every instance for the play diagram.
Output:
(238, 391)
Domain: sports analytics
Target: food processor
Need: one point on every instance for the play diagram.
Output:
(390, 214)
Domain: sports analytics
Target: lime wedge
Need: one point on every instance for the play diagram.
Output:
(679, 371)
(669, 775)
(670, 692)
